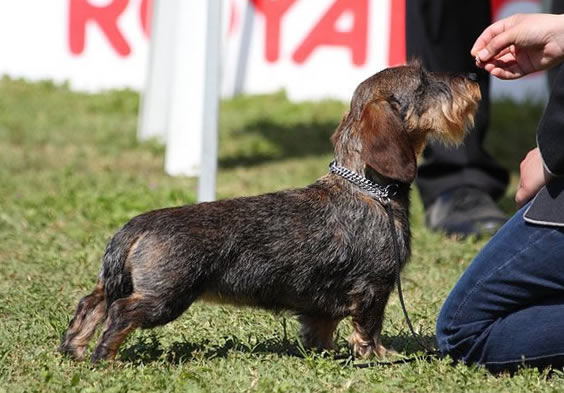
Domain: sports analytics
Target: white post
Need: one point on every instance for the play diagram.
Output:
(186, 116)
(206, 185)
(237, 52)
(155, 99)
(181, 100)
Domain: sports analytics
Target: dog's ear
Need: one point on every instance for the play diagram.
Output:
(338, 132)
(385, 143)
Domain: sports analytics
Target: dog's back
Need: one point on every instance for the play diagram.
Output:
(315, 243)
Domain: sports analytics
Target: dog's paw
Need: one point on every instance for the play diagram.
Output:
(72, 351)
(366, 349)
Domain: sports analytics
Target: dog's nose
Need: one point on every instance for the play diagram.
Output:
(472, 76)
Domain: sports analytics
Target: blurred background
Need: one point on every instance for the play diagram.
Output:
(307, 50)
(311, 49)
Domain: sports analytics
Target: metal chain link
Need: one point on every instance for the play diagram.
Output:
(382, 193)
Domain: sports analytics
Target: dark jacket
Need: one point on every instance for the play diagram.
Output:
(547, 207)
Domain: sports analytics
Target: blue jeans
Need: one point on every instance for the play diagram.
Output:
(507, 309)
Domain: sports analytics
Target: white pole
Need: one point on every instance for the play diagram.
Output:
(185, 120)
(245, 48)
(181, 100)
(238, 49)
(155, 99)
(206, 185)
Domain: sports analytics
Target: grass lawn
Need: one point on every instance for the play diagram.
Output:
(72, 172)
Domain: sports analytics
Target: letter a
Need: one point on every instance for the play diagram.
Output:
(325, 32)
(273, 11)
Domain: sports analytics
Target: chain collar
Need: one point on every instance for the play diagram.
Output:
(382, 193)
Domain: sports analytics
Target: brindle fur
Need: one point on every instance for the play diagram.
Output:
(323, 252)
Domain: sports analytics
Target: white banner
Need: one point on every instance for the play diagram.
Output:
(313, 49)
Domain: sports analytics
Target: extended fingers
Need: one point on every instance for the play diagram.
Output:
(497, 44)
(494, 39)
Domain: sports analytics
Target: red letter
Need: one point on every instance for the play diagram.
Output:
(81, 12)
(325, 33)
(496, 5)
(396, 36)
(273, 11)
(233, 18)
(146, 15)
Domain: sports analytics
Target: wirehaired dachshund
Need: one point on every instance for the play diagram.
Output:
(322, 252)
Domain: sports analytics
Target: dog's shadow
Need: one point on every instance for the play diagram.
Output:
(148, 349)
(406, 344)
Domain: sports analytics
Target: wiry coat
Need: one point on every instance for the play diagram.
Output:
(297, 249)
(323, 251)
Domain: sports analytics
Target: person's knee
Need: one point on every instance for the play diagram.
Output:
(459, 335)
(444, 330)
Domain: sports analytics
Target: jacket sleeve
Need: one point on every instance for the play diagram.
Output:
(550, 131)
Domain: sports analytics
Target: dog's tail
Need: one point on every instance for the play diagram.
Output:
(114, 282)
(116, 273)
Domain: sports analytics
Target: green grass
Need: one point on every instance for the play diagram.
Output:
(72, 172)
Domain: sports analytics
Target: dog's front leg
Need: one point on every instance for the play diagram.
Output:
(367, 317)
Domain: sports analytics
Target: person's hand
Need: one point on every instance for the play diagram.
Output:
(520, 44)
(533, 177)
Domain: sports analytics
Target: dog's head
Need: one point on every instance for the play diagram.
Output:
(394, 112)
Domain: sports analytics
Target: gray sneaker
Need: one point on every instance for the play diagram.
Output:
(464, 211)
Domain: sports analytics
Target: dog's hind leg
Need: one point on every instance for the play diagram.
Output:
(89, 314)
(123, 316)
(316, 332)
(136, 310)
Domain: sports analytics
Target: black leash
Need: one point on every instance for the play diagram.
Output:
(428, 352)
(395, 247)
(383, 195)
